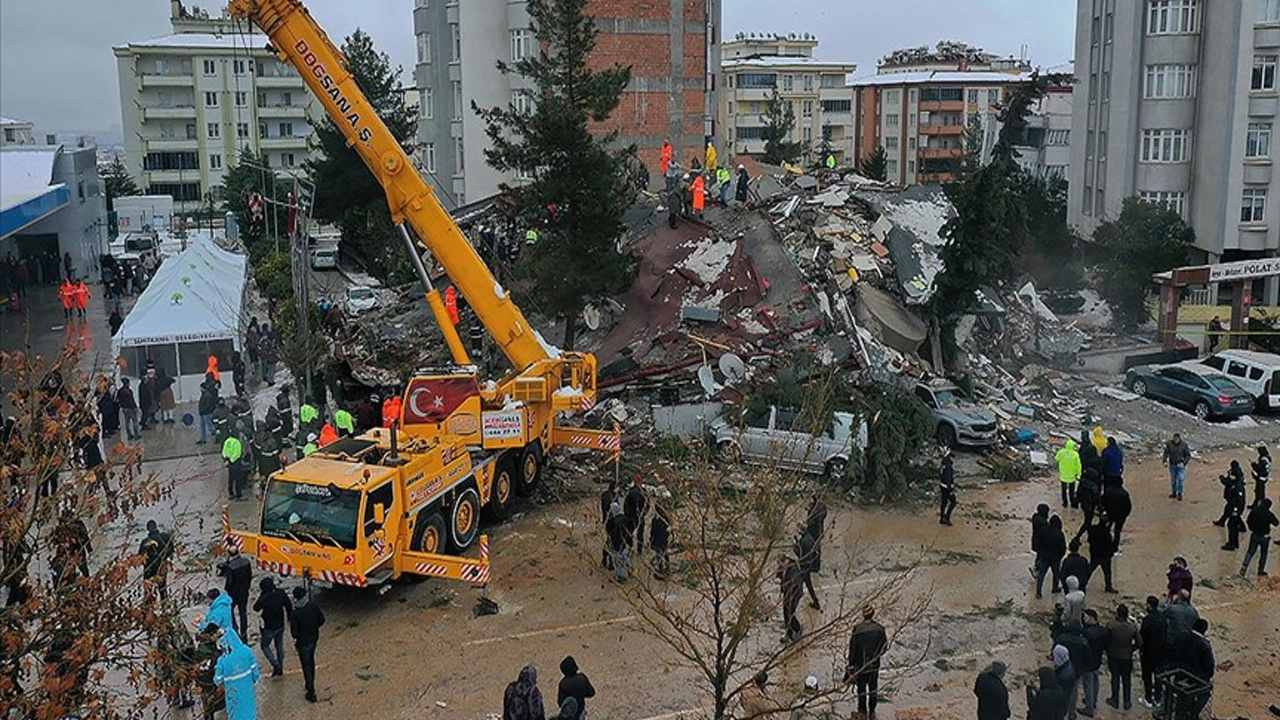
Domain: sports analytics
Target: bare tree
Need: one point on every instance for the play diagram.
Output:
(719, 606)
(79, 631)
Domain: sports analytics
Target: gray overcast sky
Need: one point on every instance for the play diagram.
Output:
(57, 69)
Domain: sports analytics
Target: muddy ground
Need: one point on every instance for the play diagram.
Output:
(418, 652)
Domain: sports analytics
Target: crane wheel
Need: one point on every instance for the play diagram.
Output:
(464, 519)
(429, 535)
(503, 492)
(530, 468)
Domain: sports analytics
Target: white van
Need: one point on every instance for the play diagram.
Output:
(1257, 372)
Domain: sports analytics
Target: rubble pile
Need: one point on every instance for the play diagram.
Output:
(387, 344)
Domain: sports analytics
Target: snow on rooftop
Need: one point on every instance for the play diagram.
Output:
(782, 60)
(938, 77)
(26, 173)
(231, 41)
(13, 121)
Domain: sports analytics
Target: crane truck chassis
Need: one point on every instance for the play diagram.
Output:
(407, 501)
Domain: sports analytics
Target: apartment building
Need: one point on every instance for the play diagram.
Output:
(16, 132)
(920, 103)
(672, 48)
(191, 100)
(1177, 105)
(756, 67)
(1044, 149)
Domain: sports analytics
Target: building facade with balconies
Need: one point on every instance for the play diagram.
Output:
(190, 101)
(1176, 104)
(920, 103)
(756, 67)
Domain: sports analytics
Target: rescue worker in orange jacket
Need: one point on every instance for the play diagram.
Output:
(327, 435)
(212, 368)
(391, 411)
(667, 154)
(80, 292)
(451, 305)
(699, 190)
(66, 295)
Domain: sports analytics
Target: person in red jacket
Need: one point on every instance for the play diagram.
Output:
(66, 294)
(699, 190)
(327, 435)
(80, 292)
(451, 305)
(391, 411)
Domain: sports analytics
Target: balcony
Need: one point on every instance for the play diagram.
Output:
(932, 153)
(942, 106)
(288, 82)
(283, 111)
(153, 80)
(296, 142)
(753, 94)
(169, 176)
(160, 144)
(185, 112)
(942, 130)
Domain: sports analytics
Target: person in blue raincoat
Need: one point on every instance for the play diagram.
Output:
(219, 609)
(237, 672)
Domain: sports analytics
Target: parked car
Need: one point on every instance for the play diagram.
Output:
(1256, 372)
(324, 259)
(1205, 392)
(360, 298)
(780, 436)
(958, 421)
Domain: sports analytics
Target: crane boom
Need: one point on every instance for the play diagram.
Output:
(300, 41)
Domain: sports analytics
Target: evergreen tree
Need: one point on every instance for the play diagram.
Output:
(347, 193)
(1146, 239)
(582, 175)
(117, 182)
(875, 166)
(779, 121)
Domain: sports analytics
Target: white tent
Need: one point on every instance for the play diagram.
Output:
(191, 309)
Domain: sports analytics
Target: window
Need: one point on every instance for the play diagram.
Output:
(1100, 200)
(730, 107)
(757, 80)
(191, 131)
(523, 102)
(1264, 72)
(837, 81)
(214, 130)
(892, 97)
(380, 496)
(1102, 144)
(429, 157)
(911, 119)
(457, 100)
(952, 94)
(750, 133)
(1170, 81)
(911, 143)
(1268, 11)
(788, 83)
(170, 161)
(521, 44)
(891, 143)
(807, 108)
(266, 160)
(287, 159)
(1175, 201)
(1258, 142)
(911, 167)
(455, 43)
(808, 83)
(286, 130)
(237, 67)
(1111, 26)
(1057, 137)
(215, 161)
(924, 117)
(1253, 209)
(1086, 201)
(1173, 17)
(210, 67)
(891, 167)
(211, 99)
(835, 106)
(807, 134)
(424, 48)
(242, 98)
(262, 130)
(242, 130)
(458, 157)
(891, 120)
(911, 95)
(262, 99)
(973, 97)
(1166, 146)
(993, 96)
(428, 103)
(8, 135)
(286, 99)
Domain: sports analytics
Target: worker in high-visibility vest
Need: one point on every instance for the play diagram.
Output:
(307, 416)
(831, 162)
(711, 158)
(310, 447)
(451, 305)
(531, 237)
(345, 422)
(232, 456)
(391, 411)
(724, 179)
(328, 435)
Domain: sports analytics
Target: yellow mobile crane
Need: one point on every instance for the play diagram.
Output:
(371, 508)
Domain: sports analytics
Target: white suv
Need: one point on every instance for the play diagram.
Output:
(1257, 372)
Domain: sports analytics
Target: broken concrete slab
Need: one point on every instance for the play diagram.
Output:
(1117, 393)
(700, 314)
(806, 182)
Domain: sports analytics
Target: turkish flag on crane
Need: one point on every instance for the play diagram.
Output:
(432, 400)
